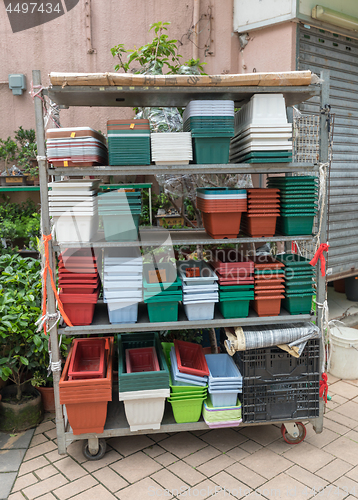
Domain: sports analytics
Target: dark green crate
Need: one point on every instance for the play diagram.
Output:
(163, 311)
(298, 305)
(234, 308)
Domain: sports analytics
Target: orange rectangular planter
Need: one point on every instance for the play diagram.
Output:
(268, 306)
(87, 417)
(222, 225)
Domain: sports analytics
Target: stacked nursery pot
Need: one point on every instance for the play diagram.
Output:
(74, 210)
(143, 379)
(221, 210)
(263, 208)
(189, 380)
(299, 283)
(86, 384)
(120, 210)
(171, 148)
(162, 291)
(122, 284)
(298, 201)
(222, 407)
(269, 285)
(200, 289)
(236, 282)
(262, 132)
(76, 147)
(79, 281)
(212, 125)
(128, 142)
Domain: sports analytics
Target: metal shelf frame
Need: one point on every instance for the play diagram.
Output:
(168, 96)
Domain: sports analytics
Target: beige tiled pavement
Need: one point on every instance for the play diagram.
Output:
(244, 462)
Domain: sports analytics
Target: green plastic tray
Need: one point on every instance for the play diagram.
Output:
(298, 305)
(294, 260)
(141, 381)
(235, 308)
(173, 281)
(229, 288)
(208, 150)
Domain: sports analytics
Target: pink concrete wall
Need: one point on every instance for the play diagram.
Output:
(270, 49)
(60, 45)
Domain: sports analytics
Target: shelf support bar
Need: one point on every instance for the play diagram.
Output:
(321, 281)
(46, 229)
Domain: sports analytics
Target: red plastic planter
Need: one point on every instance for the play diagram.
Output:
(259, 225)
(229, 260)
(77, 288)
(268, 306)
(79, 307)
(190, 358)
(88, 359)
(142, 359)
(222, 225)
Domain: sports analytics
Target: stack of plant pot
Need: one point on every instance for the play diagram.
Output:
(262, 132)
(143, 379)
(86, 384)
(80, 284)
(269, 285)
(171, 148)
(76, 147)
(162, 291)
(299, 282)
(74, 210)
(122, 284)
(236, 282)
(221, 210)
(128, 142)
(186, 395)
(212, 125)
(298, 203)
(200, 289)
(263, 208)
(120, 211)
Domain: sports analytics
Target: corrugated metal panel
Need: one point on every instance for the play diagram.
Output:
(318, 49)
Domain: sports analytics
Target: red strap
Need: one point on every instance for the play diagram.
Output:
(319, 255)
(323, 387)
(47, 269)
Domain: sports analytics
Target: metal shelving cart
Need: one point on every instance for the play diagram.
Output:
(116, 424)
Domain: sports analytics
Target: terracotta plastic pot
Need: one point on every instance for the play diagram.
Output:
(266, 262)
(222, 225)
(48, 398)
(268, 306)
(259, 225)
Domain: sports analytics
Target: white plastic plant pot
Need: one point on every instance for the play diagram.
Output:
(262, 109)
(199, 311)
(71, 186)
(122, 311)
(144, 409)
(81, 228)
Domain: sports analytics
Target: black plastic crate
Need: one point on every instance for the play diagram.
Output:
(272, 363)
(284, 400)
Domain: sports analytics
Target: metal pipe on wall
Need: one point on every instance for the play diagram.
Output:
(196, 16)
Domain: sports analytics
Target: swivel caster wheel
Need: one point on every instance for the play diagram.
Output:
(94, 451)
(298, 430)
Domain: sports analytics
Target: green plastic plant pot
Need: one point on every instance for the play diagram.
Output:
(189, 410)
(162, 311)
(298, 305)
(121, 228)
(234, 308)
(211, 149)
(295, 225)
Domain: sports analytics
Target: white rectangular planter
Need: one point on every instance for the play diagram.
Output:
(144, 409)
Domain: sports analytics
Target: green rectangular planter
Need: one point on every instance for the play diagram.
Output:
(162, 311)
(234, 308)
(209, 150)
(295, 225)
(301, 304)
(120, 227)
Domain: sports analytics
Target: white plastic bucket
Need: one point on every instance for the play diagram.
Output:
(344, 352)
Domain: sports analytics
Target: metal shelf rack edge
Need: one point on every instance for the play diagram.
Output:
(157, 96)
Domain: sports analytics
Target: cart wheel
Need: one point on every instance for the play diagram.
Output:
(291, 440)
(100, 453)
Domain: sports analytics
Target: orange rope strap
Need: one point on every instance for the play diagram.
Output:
(47, 268)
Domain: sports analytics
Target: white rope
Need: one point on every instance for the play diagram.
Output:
(324, 326)
(46, 319)
(56, 366)
(41, 158)
(322, 199)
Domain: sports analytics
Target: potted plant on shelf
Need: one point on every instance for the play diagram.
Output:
(27, 155)
(8, 153)
(20, 345)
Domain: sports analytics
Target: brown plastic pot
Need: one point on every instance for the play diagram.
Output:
(266, 262)
(222, 225)
(262, 192)
(268, 306)
(48, 398)
(259, 225)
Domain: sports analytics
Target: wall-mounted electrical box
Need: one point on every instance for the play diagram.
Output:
(17, 83)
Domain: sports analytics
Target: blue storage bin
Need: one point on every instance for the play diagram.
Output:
(222, 368)
(228, 398)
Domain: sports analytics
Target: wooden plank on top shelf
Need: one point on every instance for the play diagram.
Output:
(228, 168)
(169, 96)
(101, 323)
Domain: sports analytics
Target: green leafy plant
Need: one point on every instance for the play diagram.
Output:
(19, 221)
(195, 336)
(27, 151)
(20, 307)
(8, 152)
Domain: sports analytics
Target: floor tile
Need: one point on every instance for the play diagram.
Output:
(306, 477)
(346, 487)
(349, 409)
(47, 496)
(353, 435)
(154, 451)
(286, 488)
(320, 440)
(182, 444)
(10, 460)
(45, 486)
(188, 473)
(32, 465)
(7, 480)
(38, 439)
(97, 493)
(224, 439)
(76, 487)
(146, 488)
(53, 456)
(352, 474)
(41, 449)
(46, 472)
(334, 470)
(262, 434)
(127, 445)
(74, 450)
(215, 465)
(335, 426)
(70, 468)
(266, 463)
(198, 458)
(110, 457)
(344, 389)
(51, 434)
(340, 419)
(280, 446)
(202, 491)
(345, 449)
(237, 453)
(166, 459)
(231, 484)
(24, 481)
(338, 399)
(331, 379)
(45, 426)
(309, 457)
(110, 479)
(20, 440)
(247, 476)
(170, 482)
(15, 496)
(157, 437)
(250, 446)
(136, 467)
